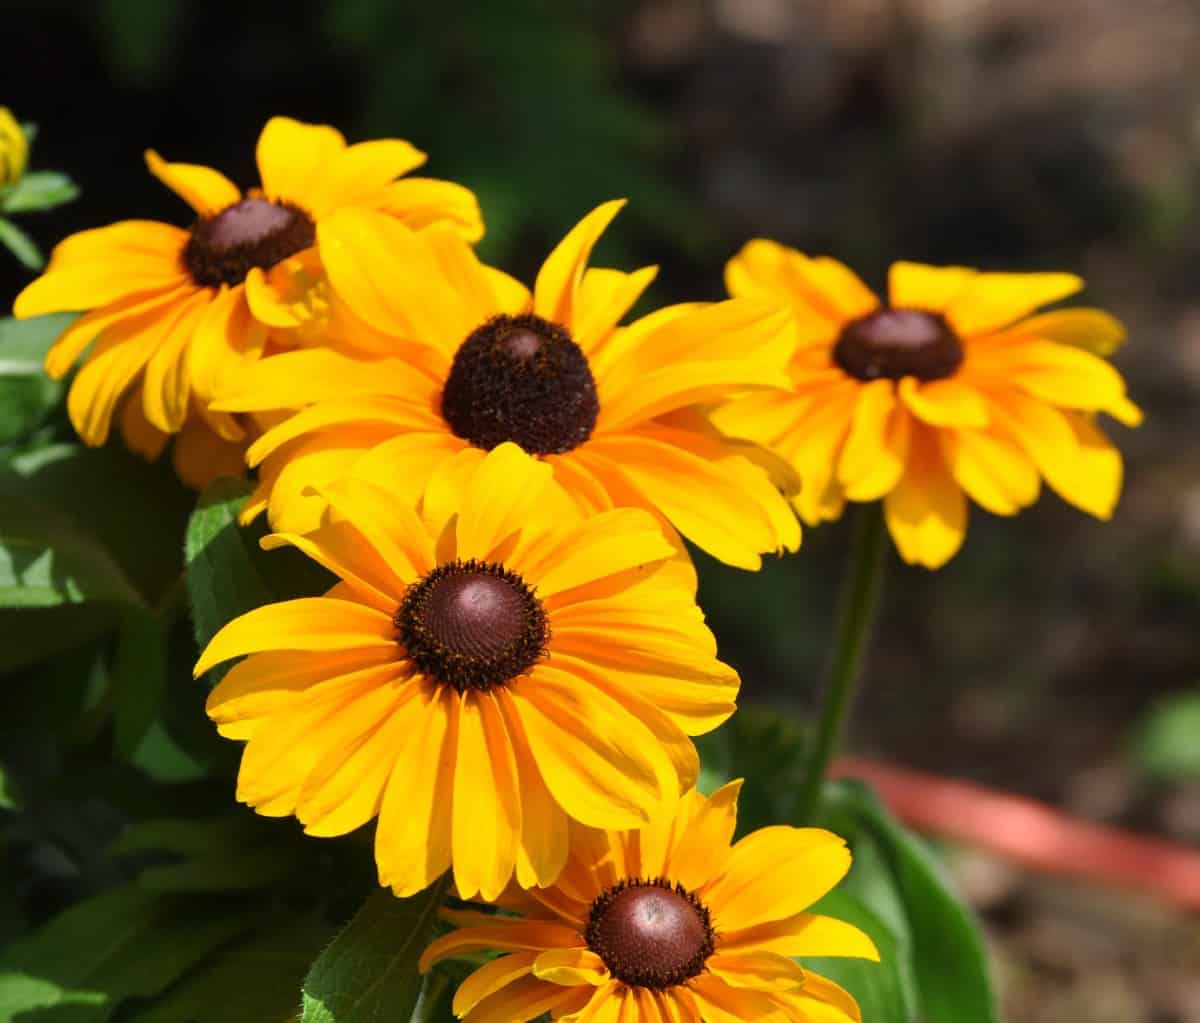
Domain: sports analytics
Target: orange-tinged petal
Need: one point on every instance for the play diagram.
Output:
(719, 1003)
(140, 435)
(309, 623)
(930, 288)
(412, 838)
(391, 527)
(490, 978)
(570, 966)
(166, 390)
(873, 456)
(524, 999)
(840, 287)
(200, 455)
(994, 471)
(758, 970)
(225, 344)
(600, 763)
(421, 202)
(293, 158)
(926, 511)
(487, 807)
(338, 548)
(993, 300)
(502, 934)
(558, 281)
(949, 402)
(542, 849)
(774, 873)
(205, 190)
(701, 849)
(823, 1001)
(805, 934)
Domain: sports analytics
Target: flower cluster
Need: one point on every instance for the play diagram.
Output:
(508, 673)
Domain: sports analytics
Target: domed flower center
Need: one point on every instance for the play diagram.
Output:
(650, 933)
(472, 625)
(521, 379)
(894, 343)
(250, 233)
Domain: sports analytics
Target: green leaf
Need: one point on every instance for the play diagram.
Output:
(40, 190)
(253, 982)
(9, 800)
(24, 404)
(45, 561)
(20, 245)
(370, 973)
(1166, 742)
(138, 679)
(124, 943)
(24, 343)
(945, 948)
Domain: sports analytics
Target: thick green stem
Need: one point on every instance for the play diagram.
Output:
(856, 616)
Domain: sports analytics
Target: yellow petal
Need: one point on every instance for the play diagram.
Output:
(823, 1001)
(226, 343)
(570, 966)
(391, 527)
(340, 549)
(294, 156)
(926, 512)
(773, 873)
(98, 283)
(360, 174)
(876, 448)
(502, 934)
(719, 1003)
(949, 402)
(995, 472)
(604, 297)
(140, 435)
(702, 848)
(412, 838)
(600, 763)
(931, 288)
(758, 970)
(490, 978)
(542, 850)
(205, 190)
(423, 202)
(309, 623)
(487, 806)
(554, 292)
(500, 498)
(993, 300)
(166, 391)
(1093, 330)
(805, 934)
(524, 999)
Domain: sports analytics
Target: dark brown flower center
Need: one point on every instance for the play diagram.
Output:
(894, 343)
(521, 379)
(650, 933)
(472, 625)
(251, 232)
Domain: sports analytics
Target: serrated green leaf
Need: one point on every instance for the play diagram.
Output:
(20, 245)
(137, 679)
(255, 982)
(45, 561)
(122, 944)
(945, 948)
(223, 579)
(40, 190)
(24, 343)
(370, 973)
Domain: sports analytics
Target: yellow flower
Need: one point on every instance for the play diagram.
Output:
(172, 311)
(668, 924)
(951, 389)
(14, 148)
(477, 677)
(468, 358)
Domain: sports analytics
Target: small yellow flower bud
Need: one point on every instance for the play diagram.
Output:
(14, 148)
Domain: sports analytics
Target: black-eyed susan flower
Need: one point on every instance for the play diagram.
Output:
(479, 676)
(171, 311)
(470, 358)
(951, 389)
(668, 924)
(14, 148)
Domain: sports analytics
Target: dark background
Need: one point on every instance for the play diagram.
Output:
(1015, 134)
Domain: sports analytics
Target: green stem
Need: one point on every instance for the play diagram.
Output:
(856, 615)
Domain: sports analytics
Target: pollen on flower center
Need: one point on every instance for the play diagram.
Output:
(650, 933)
(521, 379)
(894, 343)
(472, 625)
(252, 232)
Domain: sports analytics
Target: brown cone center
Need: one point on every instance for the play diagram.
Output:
(475, 614)
(251, 233)
(650, 934)
(894, 343)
